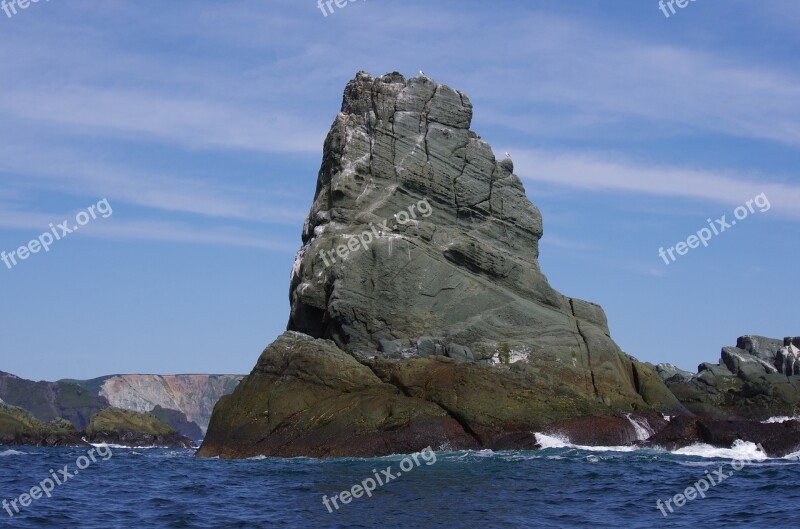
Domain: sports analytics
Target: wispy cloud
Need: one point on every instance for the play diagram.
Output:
(114, 228)
(604, 173)
(143, 115)
(65, 170)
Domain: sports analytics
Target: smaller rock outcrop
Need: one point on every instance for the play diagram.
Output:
(130, 428)
(746, 383)
(777, 439)
(178, 421)
(18, 427)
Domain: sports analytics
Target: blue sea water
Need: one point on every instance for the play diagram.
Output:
(558, 487)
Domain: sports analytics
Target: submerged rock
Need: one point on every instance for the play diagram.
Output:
(421, 314)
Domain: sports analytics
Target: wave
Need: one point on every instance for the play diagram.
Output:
(8, 453)
(739, 450)
(118, 447)
(562, 441)
(782, 418)
(641, 427)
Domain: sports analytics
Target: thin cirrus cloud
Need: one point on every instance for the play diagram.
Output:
(585, 72)
(197, 123)
(596, 172)
(112, 228)
(65, 171)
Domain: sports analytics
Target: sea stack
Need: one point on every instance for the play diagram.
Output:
(419, 313)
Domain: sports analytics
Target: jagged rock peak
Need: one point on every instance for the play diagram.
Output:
(420, 242)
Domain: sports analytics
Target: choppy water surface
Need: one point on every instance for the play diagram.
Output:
(560, 486)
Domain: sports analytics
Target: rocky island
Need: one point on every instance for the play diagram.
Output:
(420, 315)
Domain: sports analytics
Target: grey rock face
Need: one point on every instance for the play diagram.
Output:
(419, 233)
(459, 353)
(760, 346)
(426, 346)
(746, 383)
(668, 371)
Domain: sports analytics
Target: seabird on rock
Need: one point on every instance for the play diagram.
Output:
(422, 73)
(508, 155)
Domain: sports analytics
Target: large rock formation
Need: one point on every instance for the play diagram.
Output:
(419, 279)
(748, 382)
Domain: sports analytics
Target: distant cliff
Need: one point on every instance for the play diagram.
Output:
(193, 395)
(185, 402)
(112, 425)
(52, 400)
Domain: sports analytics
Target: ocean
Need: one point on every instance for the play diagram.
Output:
(560, 486)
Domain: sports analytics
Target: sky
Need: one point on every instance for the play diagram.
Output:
(193, 132)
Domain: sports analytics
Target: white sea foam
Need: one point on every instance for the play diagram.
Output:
(117, 447)
(780, 419)
(8, 453)
(794, 456)
(641, 427)
(478, 453)
(740, 450)
(561, 441)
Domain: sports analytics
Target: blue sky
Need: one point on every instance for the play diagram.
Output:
(202, 124)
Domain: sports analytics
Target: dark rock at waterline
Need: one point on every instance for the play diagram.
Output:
(609, 430)
(777, 439)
